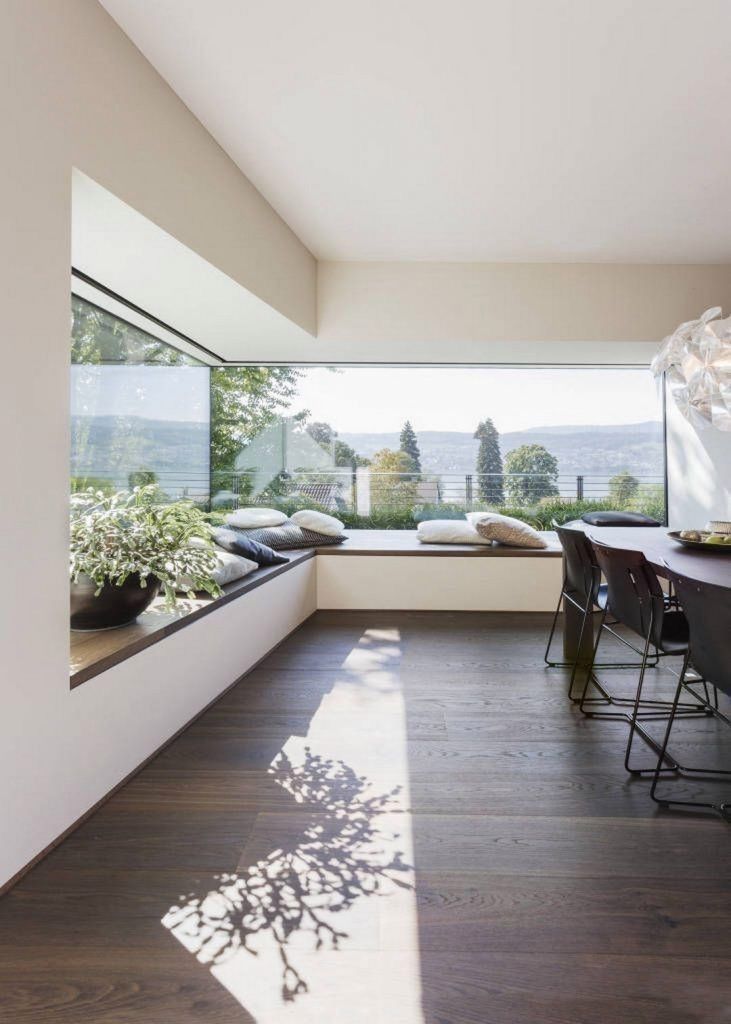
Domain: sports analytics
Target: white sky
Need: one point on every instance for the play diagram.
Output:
(450, 398)
(379, 399)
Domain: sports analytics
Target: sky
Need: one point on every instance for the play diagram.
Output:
(380, 399)
(366, 399)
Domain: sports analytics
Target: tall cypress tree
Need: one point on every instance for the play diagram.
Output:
(410, 446)
(489, 461)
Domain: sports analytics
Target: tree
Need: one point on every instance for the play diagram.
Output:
(410, 446)
(489, 464)
(392, 480)
(98, 337)
(245, 400)
(141, 478)
(328, 439)
(537, 474)
(623, 487)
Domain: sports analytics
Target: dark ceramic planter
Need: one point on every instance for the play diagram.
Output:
(114, 606)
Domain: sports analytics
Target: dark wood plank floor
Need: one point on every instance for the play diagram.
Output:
(397, 818)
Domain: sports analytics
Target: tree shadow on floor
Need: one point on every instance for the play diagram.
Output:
(341, 855)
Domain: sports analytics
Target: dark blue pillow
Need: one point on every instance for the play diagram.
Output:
(618, 519)
(239, 544)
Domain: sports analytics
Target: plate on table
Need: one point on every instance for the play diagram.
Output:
(700, 545)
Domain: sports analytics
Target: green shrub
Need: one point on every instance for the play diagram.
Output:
(379, 519)
(94, 483)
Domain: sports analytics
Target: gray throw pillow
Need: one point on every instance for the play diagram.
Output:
(289, 535)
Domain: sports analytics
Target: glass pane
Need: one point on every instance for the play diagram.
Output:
(388, 446)
(140, 409)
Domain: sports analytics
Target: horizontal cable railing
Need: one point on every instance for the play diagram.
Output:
(360, 491)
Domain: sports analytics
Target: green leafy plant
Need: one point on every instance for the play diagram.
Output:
(116, 536)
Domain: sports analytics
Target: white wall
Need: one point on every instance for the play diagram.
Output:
(485, 312)
(699, 472)
(438, 584)
(78, 94)
(116, 245)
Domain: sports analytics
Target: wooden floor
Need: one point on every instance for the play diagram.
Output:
(397, 818)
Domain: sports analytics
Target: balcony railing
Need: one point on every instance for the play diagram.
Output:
(472, 490)
(359, 496)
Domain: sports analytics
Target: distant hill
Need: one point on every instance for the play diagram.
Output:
(587, 449)
(112, 446)
(178, 451)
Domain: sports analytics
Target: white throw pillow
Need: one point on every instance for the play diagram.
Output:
(253, 518)
(230, 567)
(506, 530)
(449, 531)
(318, 522)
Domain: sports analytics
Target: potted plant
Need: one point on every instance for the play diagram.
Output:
(127, 547)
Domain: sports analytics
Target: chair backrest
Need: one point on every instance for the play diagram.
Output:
(582, 574)
(608, 518)
(707, 608)
(634, 595)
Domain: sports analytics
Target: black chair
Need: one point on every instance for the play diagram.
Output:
(582, 587)
(708, 611)
(581, 584)
(636, 600)
(618, 519)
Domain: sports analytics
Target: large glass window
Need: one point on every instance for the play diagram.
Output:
(140, 409)
(388, 446)
(381, 446)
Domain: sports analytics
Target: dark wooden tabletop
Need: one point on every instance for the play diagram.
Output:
(664, 553)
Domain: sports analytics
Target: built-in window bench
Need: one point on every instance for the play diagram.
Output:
(400, 573)
(94, 652)
(373, 569)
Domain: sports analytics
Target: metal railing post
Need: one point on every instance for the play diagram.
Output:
(579, 488)
(468, 491)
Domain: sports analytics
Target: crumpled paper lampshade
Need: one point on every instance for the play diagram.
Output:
(696, 361)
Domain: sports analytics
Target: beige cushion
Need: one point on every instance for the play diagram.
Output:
(506, 530)
(253, 518)
(230, 567)
(318, 522)
(449, 531)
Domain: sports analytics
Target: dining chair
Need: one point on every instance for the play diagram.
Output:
(636, 600)
(707, 608)
(582, 587)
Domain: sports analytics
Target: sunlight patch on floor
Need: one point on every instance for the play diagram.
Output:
(318, 925)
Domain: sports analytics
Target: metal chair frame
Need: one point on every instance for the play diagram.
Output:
(642, 709)
(588, 609)
(713, 664)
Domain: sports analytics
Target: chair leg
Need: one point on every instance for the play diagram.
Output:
(555, 664)
(590, 668)
(724, 809)
(668, 730)
(633, 718)
(586, 618)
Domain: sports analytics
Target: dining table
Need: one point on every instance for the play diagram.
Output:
(665, 555)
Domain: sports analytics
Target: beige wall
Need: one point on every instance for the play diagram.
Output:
(77, 93)
(490, 311)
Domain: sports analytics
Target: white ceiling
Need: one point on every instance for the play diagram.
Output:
(588, 130)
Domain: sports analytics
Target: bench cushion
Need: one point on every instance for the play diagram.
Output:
(449, 531)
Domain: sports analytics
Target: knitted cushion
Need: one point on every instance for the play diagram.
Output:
(289, 536)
